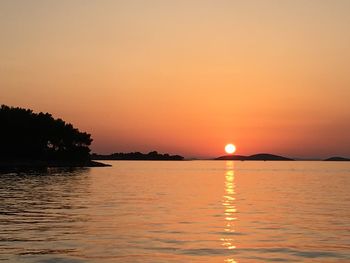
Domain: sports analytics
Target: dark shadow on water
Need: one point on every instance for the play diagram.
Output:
(43, 171)
(60, 260)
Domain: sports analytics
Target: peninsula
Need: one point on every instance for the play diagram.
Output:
(29, 139)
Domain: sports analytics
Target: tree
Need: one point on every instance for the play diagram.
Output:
(25, 135)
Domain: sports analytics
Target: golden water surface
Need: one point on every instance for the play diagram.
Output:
(190, 211)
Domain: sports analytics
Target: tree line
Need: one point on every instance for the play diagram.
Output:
(25, 135)
(154, 155)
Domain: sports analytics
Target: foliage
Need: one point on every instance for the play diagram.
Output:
(25, 135)
(154, 155)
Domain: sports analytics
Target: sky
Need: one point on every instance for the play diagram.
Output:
(185, 77)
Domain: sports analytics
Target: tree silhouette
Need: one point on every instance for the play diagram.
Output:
(25, 135)
(154, 155)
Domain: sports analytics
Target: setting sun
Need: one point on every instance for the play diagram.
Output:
(230, 148)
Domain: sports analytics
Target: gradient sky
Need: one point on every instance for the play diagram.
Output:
(185, 77)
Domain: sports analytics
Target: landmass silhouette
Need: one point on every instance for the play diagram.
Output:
(38, 139)
(151, 156)
(255, 157)
(273, 157)
(337, 159)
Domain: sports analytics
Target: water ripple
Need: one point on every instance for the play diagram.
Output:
(177, 212)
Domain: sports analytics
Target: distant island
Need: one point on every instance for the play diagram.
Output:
(255, 157)
(29, 139)
(337, 159)
(272, 157)
(151, 156)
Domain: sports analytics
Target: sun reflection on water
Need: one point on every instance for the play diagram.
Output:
(229, 209)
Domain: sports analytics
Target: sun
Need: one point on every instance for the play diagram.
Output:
(230, 148)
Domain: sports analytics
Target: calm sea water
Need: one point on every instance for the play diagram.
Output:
(195, 211)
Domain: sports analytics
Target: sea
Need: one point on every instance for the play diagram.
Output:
(177, 211)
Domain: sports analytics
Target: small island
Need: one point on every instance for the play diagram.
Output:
(29, 139)
(255, 157)
(337, 159)
(138, 156)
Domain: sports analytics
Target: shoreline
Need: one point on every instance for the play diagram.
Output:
(47, 164)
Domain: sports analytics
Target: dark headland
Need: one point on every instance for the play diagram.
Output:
(29, 139)
(337, 159)
(255, 157)
(138, 156)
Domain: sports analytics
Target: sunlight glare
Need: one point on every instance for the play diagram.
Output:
(230, 148)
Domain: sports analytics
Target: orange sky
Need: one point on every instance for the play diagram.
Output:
(185, 77)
